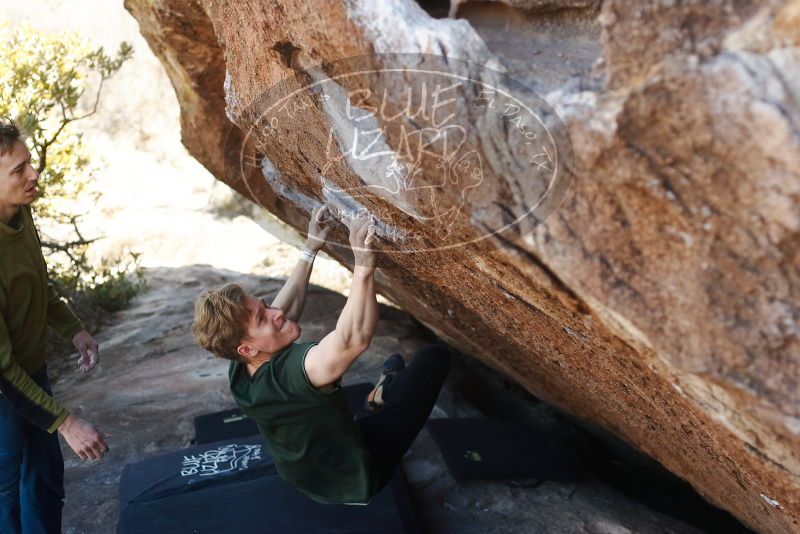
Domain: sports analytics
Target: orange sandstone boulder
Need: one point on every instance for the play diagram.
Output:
(600, 199)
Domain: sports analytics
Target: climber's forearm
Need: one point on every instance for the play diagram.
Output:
(292, 296)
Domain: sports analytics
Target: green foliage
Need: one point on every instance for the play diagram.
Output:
(116, 283)
(44, 79)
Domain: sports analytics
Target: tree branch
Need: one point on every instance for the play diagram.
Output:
(66, 247)
(96, 101)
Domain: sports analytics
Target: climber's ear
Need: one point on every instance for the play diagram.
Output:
(246, 351)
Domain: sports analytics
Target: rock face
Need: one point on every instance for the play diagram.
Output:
(659, 299)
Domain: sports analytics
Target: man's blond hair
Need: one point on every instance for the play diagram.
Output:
(220, 320)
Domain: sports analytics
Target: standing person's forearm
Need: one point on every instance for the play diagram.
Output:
(360, 315)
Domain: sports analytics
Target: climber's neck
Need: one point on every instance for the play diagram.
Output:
(260, 359)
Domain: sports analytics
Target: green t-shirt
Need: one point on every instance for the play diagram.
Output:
(311, 435)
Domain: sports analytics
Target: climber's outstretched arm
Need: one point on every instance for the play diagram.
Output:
(292, 296)
(326, 362)
(333, 356)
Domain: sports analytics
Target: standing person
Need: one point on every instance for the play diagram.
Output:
(31, 465)
(292, 390)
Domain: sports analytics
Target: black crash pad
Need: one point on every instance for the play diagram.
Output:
(485, 449)
(232, 423)
(232, 486)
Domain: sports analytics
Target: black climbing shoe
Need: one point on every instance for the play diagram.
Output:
(391, 366)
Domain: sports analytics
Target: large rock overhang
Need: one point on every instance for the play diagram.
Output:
(660, 298)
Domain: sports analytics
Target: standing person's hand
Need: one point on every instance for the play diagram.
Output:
(318, 228)
(83, 438)
(362, 235)
(89, 350)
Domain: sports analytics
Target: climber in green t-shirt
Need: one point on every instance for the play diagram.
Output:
(292, 390)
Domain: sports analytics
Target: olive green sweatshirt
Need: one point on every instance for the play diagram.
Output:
(28, 305)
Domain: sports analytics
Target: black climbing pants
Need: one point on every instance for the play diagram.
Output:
(408, 400)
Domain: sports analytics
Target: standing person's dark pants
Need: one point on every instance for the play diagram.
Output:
(31, 472)
(408, 400)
